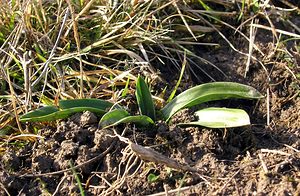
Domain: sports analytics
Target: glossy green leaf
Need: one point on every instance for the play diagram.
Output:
(144, 98)
(141, 120)
(112, 117)
(220, 118)
(209, 92)
(66, 109)
(120, 116)
(65, 113)
(48, 113)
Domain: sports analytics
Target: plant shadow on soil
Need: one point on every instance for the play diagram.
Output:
(257, 159)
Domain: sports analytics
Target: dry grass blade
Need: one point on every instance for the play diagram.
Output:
(117, 35)
(26, 137)
(14, 103)
(184, 21)
(276, 30)
(148, 154)
(251, 43)
(77, 40)
(3, 188)
(46, 65)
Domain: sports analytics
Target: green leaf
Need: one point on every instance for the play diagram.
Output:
(220, 118)
(92, 104)
(65, 113)
(7, 130)
(51, 115)
(46, 113)
(120, 116)
(209, 92)
(144, 98)
(152, 177)
(66, 109)
(141, 120)
(112, 117)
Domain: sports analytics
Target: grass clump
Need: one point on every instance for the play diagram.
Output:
(64, 50)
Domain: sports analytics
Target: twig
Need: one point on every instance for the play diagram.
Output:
(180, 190)
(275, 152)
(59, 184)
(263, 164)
(291, 147)
(268, 106)
(5, 190)
(224, 186)
(276, 30)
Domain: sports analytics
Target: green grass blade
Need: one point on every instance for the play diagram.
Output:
(5, 96)
(88, 103)
(82, 193)
(205, 6)
(125, 91)
(144, 98)
(220, 118)
(179, 80)
(209, 92)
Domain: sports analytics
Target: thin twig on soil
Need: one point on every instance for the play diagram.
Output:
(5, 190)
(263, 164)
(292, 148)
(227, 182)
(275, 152)
(268, 106)
(59, 184)
(178, 190)
(276, 30)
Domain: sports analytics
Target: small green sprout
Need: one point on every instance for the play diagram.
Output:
(209, 117)
(152, 178)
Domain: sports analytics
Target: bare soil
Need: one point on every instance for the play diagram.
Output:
(262, 159)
